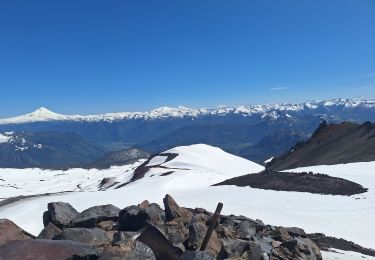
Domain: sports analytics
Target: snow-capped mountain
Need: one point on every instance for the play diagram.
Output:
(272, 111)
(255, 132)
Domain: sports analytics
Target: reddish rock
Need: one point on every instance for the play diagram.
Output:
(10, 231)
(174, 211)
(46, 249)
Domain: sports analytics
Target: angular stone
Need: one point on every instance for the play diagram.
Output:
(235, 247)
(158, 242)
(197, 255)
(256, 252)
(107, 225)
(132, 251)
(246, 230)
(155, 213)
(10, 231)
(174, 211)
(132, 218)
(295, 231)
(90, 217)
(46, 249)
(49, 232)
(125, 237)
(176, 232)
(281, 234)
(59, 213)
(90, 236)
(144, 204)
(197, 231)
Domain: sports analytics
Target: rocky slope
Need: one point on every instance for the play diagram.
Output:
(146, 231)
(331, 144)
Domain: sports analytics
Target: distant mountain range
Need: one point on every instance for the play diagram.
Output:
(59, 150)
(255, 132)
(45, 150)
(331, 144)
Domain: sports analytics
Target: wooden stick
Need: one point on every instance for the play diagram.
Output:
(211, 227)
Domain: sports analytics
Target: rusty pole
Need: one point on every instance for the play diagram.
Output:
(212, 224)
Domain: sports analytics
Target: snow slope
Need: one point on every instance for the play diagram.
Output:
(272, 111)
(345, 255)
(197, 167)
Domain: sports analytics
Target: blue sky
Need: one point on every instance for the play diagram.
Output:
(88, 56)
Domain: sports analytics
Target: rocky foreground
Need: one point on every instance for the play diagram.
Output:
(146, 231)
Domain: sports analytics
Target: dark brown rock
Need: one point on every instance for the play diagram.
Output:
(90, 217)
(49, 232)
(174, 211)
(144, 204)
(43, 249)
(10, 231)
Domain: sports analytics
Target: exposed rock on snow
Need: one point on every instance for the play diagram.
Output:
(297, 181)
(59, 213)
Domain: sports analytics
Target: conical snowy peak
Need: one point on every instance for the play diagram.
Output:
(41, 114)
(44, 112)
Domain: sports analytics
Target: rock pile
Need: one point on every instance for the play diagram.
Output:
(146, 231)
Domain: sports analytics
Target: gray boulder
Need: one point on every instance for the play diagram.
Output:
(90, 217)
(246, 229)
(49, 232)
(90, 236)
(197, 255)
(234, 248)
(197, 231)
(59, 213)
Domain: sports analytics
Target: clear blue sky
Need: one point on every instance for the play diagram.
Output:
(88, 56)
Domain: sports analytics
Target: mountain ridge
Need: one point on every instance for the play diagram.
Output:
(272, 111)
(331, 144)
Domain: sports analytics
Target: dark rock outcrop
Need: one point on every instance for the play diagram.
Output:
(331, 144)
(90, 236)
(293, 181)
(132, 218)
(59, 213)
(47, 249)
(49, 232)
(90, 217)
(326, 242)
